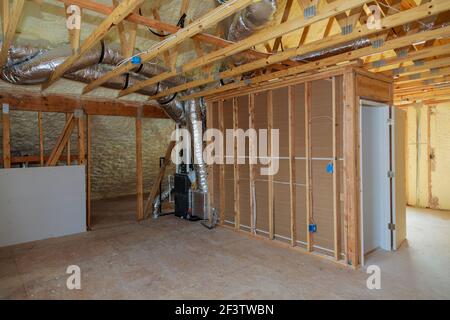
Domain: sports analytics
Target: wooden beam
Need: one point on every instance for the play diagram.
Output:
(68, 148)
(422, 76)
(326, 62)
(6, 137)
(118, 14)
(270, 199)
(139, 177)
(41, 140)
(155, 186)
(397, 19)
(249, 42)
(336, 198)
(4, 11)
(31, 159)
(253, 160)
(81, 138)
(351, 210)
(211, 18)
(237, 198)
(222, 165)
(88, 170)
(309, 209)
(292, 175)
(61, 142)
(29, 101)
(127, 37)
(424, 66)
(141, 20)
(284, 18)
(13, 21)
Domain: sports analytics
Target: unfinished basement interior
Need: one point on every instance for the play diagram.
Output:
(225, 149)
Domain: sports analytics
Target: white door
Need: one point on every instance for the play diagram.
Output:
(375, 181)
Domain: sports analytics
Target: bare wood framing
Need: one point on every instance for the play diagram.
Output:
(69, 160)
(253, 159)
(222, 166)
(6, 138)
(155, 186)
(308, 102)
(41, 139)
(336, 205)
(237, 210)
(292, 179)
(81, 140)
(269, 150)
(61, 142)
(12, 22)
(88, 170)
(139, 178)
(118, 14)
(214, 16)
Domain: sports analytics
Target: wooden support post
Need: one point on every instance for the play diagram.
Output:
(430, 195)
(139, 178)
(209, 125)
(336, 204)
(155, 186)
(88, 171)
(253, 159)
(237, 213)
(308, 102)
(81, 138)
(269, 152)
(41, 140)
(6, 137)
(222, 166)
(292, 177)
(69, 161)
(351, 191)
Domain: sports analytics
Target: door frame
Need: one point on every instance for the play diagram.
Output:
(389, 217)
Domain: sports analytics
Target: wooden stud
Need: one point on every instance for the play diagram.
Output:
(237, 212)
(336, 198)
(308, 102)
(6, 137)
(271, 202)
(292, 176)
(253, 156)
(430, 195)
(81, 139)
(4, 7)
(351, 192)
(69, 160)
(88, 171)
(222, 166)
(139, 178)
(209, 125)
(41, 139)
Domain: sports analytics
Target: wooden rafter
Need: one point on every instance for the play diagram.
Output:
(423, 76)
(421, 12)
(211, 18)
(12, 22)
(261, 37)
(284, 18)
(127, 37)
(356, 54)
(118, 14)
(423, 66)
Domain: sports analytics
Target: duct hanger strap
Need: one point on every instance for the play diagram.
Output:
(102, 53)
(127, 81)
(168, 101)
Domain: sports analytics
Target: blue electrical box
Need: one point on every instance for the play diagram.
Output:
(136, 60)
(330, 167)
(313, 228)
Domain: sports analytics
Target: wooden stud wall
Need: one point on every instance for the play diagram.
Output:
(318, 130)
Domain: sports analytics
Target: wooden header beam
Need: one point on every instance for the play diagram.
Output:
(26, 101)
(214, 16)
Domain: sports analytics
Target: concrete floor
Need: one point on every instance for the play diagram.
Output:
(175, 259)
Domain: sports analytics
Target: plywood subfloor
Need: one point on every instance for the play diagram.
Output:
(175, 259)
